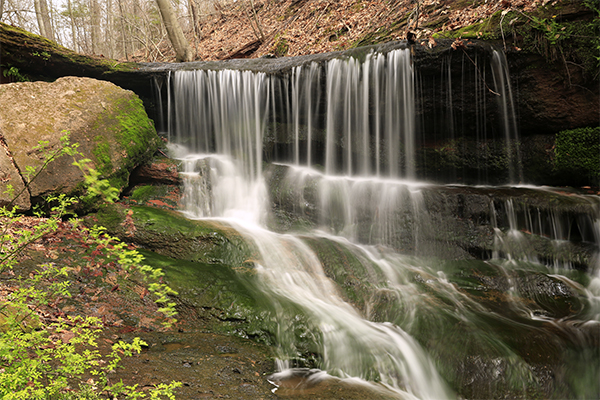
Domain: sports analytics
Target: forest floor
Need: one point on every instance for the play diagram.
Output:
(299, 27)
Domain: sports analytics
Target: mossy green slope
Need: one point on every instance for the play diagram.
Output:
(170, 234)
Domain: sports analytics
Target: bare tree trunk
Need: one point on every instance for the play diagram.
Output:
(45, 15)
(183, 51)
(1, 8)
(123, 32)
(40, 19)
(109, 31)
(195, 18)
(95, 25)
(73, 31)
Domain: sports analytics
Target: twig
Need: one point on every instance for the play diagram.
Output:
(247, 12)
(502, 29)
(323, 13)
(55, 155)
(161, 152)
(480, 74)
(262, 35)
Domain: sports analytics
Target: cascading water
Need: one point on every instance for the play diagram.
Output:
(509, 119)
(385, 311)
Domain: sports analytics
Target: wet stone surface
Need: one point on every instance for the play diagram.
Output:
(213, 366)
(209, 366)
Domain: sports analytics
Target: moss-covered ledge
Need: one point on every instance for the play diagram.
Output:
(41, 59)
(170, 234)
(25, 56)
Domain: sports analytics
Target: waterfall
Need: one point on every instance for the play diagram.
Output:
(509, 119)
(400, 308)
(224, 112)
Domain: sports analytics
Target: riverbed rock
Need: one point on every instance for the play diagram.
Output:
(109, 125)
(161, 171)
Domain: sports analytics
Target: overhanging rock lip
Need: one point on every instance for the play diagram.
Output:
(283, 64)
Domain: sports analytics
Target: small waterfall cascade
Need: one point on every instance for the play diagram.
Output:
(403, 307)
(221, 112)
(387, 81)
(509, 119)
(550, 229)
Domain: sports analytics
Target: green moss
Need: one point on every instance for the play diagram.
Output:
(102, 154)
(109, 216)
(281, 46)
(221, 296)
(567, 32)
(378, 36)
(135, 126)
(135, 136)
(489, 29)
(564, 32)
(46, 50)
(352, 273)
(144, 193)
(577, 153)
(170, 234)
(382, 34)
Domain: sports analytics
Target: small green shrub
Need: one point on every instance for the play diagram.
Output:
(281, 46)
(13, 74)
(58, 358)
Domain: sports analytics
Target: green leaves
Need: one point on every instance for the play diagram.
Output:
(41, 356)
(96, 186)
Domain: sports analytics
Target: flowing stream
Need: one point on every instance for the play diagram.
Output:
(364, 276)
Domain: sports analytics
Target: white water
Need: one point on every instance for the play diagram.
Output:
(351, 87)
(509, 119)
(220, 119)
(370, 344)
(229, 185)
(291, 275)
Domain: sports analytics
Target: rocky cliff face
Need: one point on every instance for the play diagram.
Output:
(109, 125)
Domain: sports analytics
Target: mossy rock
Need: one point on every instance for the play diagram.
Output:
(170, 234)
(109, 124)
(576, 154)
(216, 297)
(355, 275)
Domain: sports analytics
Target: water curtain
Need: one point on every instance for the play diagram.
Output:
(345, 138)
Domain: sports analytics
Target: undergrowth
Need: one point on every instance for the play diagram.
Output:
(44, 355)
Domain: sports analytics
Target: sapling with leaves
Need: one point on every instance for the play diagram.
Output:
(45, 357)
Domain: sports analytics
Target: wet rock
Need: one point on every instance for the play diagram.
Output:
(162, 171)
(246, 370)
(452, 222)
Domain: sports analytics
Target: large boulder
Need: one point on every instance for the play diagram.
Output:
(110, 125)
